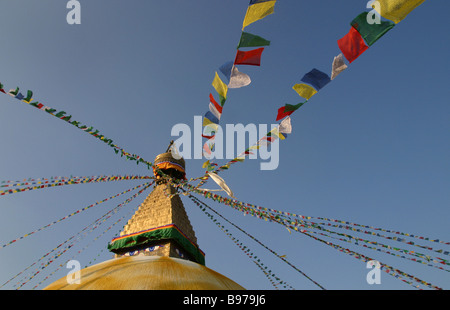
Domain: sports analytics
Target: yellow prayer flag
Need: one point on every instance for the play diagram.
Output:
(304, 90)
(258, 11)
(207, 122)
(396, 10)
(220, 87)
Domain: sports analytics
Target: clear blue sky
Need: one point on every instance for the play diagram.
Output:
(370, 148)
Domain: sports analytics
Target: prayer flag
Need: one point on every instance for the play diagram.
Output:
(316, 79)
(257, 1)
(370, 32)
(352, 45)
(258, 10)
(304, 90)
(226, 69)
(338, 66)
(283, 113)
(221, 183)
(396, 10)
(214, 111)
(211, 117)
(215, 104)
(19, 96)
(220, 87)
(207, 121)
(285, 126)
(29, 96)
(252, 57)
(238, 79)
(287, 110)
(251, 40)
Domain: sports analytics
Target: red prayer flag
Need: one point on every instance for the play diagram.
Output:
(282, 113)
(214, 102)
(252, 57)
(352, 45)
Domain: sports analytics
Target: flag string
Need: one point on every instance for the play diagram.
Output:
(257, 241)
(89, 228)
(272, 277)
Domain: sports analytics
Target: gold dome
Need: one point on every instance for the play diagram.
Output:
(168, 164)
(148, 273)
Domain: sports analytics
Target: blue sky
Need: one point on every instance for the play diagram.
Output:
(370, 148)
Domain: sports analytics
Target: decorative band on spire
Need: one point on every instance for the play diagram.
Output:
(166, 232)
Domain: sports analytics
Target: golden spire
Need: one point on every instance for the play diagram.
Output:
(160, 227)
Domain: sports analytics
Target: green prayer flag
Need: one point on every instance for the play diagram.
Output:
(29, 96)
(370, 32)
(14, 92)
(291, 107)
(60, 114)
(50, 110)
(251, 40)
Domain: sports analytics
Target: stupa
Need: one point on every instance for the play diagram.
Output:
(157, 249)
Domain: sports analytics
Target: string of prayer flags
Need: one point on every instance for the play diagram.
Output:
(395, 10)
(371, 32)
(89, 228)
(281, 132)
(364, 32)
(392, 271)
(252, 57)
(269, 274)
(258, 9)
(282, 257)
(15, 93)
(352, 45)
(284, 218)
(388, 269)
(72, 214)
(251, 40)
(208, 165)
(221, 182)
(124, 217)
(70, 182)
(338, 66)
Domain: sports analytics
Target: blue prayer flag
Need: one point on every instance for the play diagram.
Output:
(211, 117)
(226, 69)
(316, 79)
